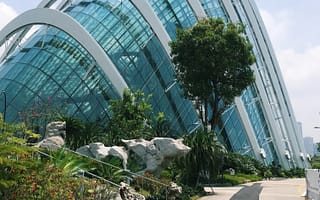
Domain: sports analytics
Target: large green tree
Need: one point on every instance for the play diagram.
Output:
(212, 62)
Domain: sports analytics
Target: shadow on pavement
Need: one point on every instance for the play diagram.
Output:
(248, 192)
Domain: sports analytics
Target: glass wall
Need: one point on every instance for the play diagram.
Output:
(53, 67)
(173, 14)
(53, 70)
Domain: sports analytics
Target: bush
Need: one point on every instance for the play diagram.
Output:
(239, 179)
(31, 178)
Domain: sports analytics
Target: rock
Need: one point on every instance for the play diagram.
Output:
(85, 150)
(158, 152)
(54, 136)
(126, 193)
(99, 151)
(52, 143)
(174, 191)
(57, 128)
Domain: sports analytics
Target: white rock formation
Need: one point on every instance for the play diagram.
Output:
(99, 151)
(174, 191)
(57, 128)
(157, 152)
(54, 136)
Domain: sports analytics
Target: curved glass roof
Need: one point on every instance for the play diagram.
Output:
(52, 68)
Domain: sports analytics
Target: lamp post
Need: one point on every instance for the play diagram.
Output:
(4, 108)
(4, 104)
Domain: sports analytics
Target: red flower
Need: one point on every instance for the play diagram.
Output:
(70, 196)
(53, 192)
(34, 187)
(53, 168)
(13, 196)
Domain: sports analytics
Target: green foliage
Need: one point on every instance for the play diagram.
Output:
(212, 61)
(315, 162)
(12, 155)
(70, 162)
(48, 182)
(240, 178)
(111, 171)
(277, 170)
(27, 175)
(154, 190)
(203, 162)
(130, 118)
(243, 164)
(80, 133)
(161, 126)
(295, 173)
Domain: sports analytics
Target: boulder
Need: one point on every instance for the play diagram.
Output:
(174, 191)
(156, 153)
(99, 151)
(54, 136)
(57, 128)
(51, 143)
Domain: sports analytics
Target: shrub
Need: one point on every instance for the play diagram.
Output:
(240, 178)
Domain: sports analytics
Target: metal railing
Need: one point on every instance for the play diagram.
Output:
(129, 173)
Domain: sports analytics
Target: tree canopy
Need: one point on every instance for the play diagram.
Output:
(130, 117)
(212, 62)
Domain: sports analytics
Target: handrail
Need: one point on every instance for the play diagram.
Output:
(127, 171)
(105, 163)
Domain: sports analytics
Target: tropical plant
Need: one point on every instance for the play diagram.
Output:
(161, 126)
(81, 133)
(26, 174)
(111, 169)
(131, 118)
(70, 162)
(212, 61)
(204, 161)
(243, 164)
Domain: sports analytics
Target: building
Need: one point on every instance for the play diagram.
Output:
(86, 52)
(310, 146)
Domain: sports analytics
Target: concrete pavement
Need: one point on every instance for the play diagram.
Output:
(275, 189)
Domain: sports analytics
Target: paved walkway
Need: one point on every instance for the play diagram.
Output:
(280, 189)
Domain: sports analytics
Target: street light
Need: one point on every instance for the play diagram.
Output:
(4, 109)
(5, 105)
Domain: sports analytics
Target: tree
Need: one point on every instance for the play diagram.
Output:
(131, 117)
(212, 62)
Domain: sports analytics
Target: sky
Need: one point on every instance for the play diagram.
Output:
(294, 31)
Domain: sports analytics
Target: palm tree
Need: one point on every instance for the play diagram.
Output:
(204, 160)
(79, 133)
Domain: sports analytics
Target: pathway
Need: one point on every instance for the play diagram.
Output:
(284, 189)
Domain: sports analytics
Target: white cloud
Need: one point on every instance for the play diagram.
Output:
(299, 61)
(299, 68)
(279, 26)
(301, 72)
(7, 14)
